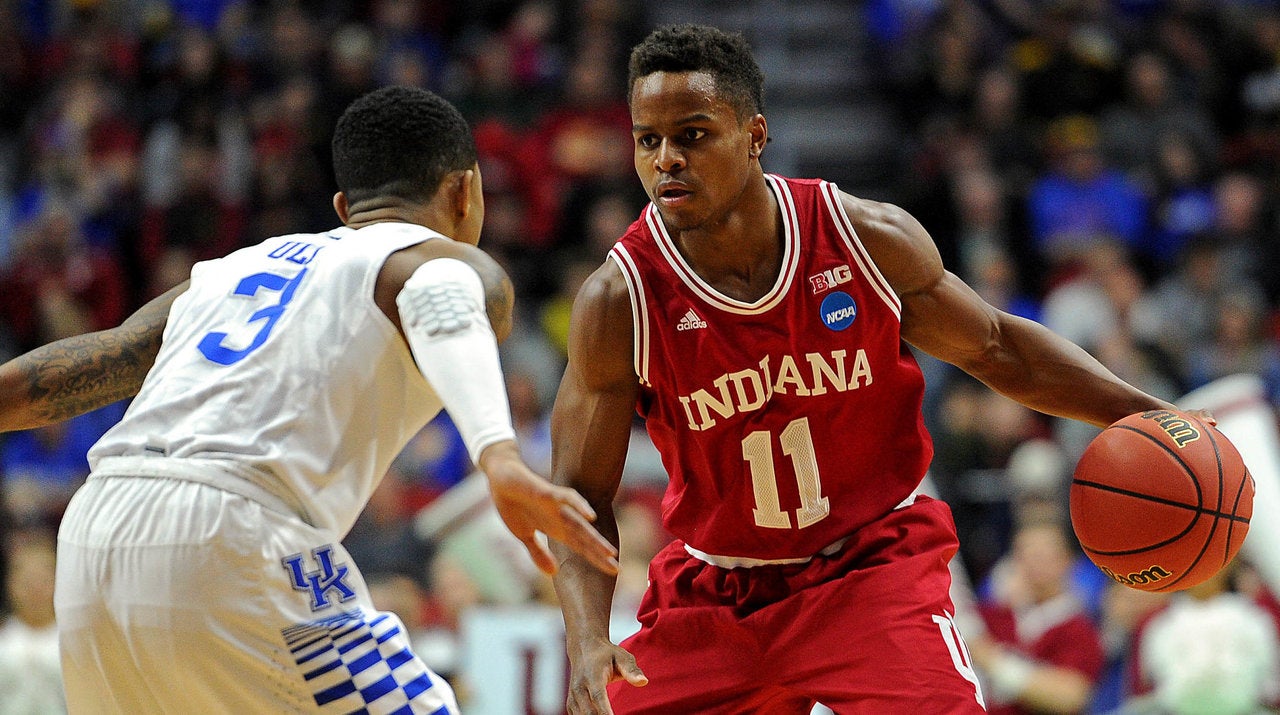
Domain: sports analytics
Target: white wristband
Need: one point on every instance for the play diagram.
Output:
(442, 312)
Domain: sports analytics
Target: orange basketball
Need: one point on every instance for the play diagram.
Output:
(1161, 501)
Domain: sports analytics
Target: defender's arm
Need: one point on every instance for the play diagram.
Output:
(79, 374)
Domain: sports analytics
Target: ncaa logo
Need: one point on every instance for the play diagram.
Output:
(838, 310)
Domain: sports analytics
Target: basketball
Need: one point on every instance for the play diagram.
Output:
(1161, 501)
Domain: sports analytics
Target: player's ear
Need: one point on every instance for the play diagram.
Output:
(461, 190)
(759, 131)
(341, 206)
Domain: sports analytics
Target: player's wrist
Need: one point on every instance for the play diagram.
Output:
(499, 456)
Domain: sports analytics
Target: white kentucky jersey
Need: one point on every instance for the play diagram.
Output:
(279, 374)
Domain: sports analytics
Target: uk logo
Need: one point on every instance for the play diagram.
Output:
(838, 310)
(320, 582)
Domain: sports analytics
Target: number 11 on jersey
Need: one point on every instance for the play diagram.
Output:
(797, 443)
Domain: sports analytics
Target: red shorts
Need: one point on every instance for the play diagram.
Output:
(865, 630)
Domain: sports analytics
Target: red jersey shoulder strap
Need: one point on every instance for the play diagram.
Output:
(840, 219)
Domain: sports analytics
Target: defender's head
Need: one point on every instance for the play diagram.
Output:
(406, 147)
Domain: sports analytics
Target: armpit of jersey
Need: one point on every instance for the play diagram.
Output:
(444, 296)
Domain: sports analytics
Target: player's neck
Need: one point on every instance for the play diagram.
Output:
(367, 214)
(739, 255)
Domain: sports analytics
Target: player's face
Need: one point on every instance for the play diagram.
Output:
(692, 151)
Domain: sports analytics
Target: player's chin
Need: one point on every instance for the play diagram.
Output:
(681, 218)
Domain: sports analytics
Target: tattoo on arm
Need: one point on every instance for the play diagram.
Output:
(75, 375)
(499, 296)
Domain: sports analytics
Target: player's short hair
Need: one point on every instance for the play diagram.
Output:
(399, 142)
(725, 56)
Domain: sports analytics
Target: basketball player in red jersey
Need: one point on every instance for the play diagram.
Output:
(760, 326)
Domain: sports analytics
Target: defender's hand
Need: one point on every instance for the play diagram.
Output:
(528, 504)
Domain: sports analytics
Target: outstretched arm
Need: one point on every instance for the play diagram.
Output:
(590, 430)
(1018, 358)
(453, 305)
(75, 375)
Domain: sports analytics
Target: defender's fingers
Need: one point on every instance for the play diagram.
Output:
(577, 501)
(541, 556)
(583, 538)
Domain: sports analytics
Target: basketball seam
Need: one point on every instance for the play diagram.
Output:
(1159, 500)
(1213, 528)
(1190, 475)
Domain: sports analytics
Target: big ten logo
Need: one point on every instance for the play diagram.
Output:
(299, 252)
(830, 278)
(1179, 429)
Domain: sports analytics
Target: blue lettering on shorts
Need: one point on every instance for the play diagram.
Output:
(357, 663)
(322, 583)
(838, 310)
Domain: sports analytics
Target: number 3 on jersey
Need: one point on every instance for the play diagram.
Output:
(797, 443)
(211, 346)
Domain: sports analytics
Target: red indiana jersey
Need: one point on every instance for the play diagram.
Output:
(787, 423)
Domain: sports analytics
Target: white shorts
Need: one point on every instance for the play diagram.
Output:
(178, 597)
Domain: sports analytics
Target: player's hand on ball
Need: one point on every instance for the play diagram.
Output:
(593, 668)
(529, 504)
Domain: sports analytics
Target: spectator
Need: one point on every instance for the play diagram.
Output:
(1042, 653)
(1081, 199)
(1211, 651)
(1244, 228)
(1133, 130)
(1183, 205)
(43, 467)
(1124, 611)
(30, 672)
(59, 285)
(1239, 345)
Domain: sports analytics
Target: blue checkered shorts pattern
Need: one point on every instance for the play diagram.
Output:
(359, 665)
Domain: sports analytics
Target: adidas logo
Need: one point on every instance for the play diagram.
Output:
(691, 321)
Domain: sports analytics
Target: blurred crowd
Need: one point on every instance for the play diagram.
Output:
(1110, 168)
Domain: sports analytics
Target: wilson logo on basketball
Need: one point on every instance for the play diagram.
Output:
(1182, 431)
(1138, 578)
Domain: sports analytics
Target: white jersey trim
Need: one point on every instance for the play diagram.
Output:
(860, 256)
(713, 297)
(639, 310)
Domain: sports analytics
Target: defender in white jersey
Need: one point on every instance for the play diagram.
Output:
(200, 567)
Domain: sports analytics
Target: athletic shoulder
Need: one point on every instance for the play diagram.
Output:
(601, 336)
(401, 265)
(898, 244)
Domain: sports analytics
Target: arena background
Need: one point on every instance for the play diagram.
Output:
(1107, 167)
